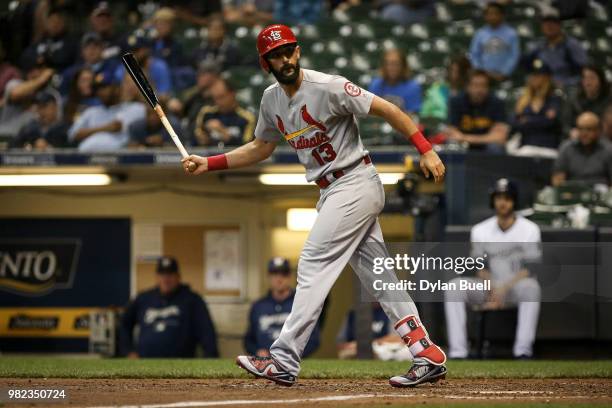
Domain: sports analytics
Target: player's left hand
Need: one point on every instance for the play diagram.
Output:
(497, 297)
(431, 164)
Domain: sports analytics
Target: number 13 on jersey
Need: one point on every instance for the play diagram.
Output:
(324, 153)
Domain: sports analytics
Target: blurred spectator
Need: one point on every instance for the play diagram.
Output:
(218, 48)
(92, 47)
(102, 23)
(225, 123)
(562, 53)
(387, 345)
(593, 95)
(537, 114)
(156, 69)
(105, 127)
(149, 131)
(395, 83)
(495, 47)
(22, 23)
(168, 48)
(57, 49)
(47, 129)
(607, 124)
(172, 319)
(7, 71)
(80, 95)
(298, 11)
(193, 99)
(477, 117)
(15, 109)
(589, 158)
(509, 243)
(436, 99)
(458, 74)
(407, 12)
(165, 45)
(248, 12)
(268, 314)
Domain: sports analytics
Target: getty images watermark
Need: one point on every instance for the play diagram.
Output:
(558, 272)
(412, 265)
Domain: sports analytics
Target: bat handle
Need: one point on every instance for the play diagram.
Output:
(170, 130)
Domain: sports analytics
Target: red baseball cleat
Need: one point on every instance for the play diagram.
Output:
(266, 367)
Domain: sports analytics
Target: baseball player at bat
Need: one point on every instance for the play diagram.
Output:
(316, 114)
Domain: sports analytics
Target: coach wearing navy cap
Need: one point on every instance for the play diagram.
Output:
(269, 313)
(171, 317)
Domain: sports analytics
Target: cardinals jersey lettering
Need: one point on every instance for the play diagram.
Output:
(319, 121)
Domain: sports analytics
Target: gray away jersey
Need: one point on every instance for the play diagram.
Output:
(319, 122)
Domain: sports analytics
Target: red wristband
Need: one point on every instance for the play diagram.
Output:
(218, 162)
(419, 141)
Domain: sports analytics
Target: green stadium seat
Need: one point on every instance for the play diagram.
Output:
(190, 40)
(376, 131)
(242, 77)
(361, 12)
(459, 43)
(433, 54)
(518, 11)
(433, 59)
(308, 32)
(245, 97)
(527, 29)
(326, 29)
(364, 62)
(596, 28)
(459, 36)
(467, 11)
(246, 46)
(575, 29)
(352, 74)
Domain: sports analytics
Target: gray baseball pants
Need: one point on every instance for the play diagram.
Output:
(346, 231)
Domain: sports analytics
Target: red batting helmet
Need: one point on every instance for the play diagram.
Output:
(270, 38)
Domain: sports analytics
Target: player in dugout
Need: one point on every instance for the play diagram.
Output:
(316, 114)
(269, 313)
(172, 319)
(511, 244)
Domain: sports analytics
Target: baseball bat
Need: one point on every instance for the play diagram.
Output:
(139, 78)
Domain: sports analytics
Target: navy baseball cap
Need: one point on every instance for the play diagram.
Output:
(279, 265)
(91, 38)
(104, 78)
(504, 186)
(101, 8)
(44, 97)
(167, 264)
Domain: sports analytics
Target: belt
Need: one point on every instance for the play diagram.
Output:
(324, 182)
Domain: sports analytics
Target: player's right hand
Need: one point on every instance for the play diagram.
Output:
(195, 165)
(431, 164)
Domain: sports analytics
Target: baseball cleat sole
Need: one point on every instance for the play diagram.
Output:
(434, 375)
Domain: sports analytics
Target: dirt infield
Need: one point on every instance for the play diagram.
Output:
(230, 392)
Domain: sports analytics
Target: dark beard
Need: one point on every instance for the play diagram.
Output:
(287, 79)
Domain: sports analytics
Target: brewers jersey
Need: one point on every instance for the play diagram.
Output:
(319, 121)
(507, 251)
